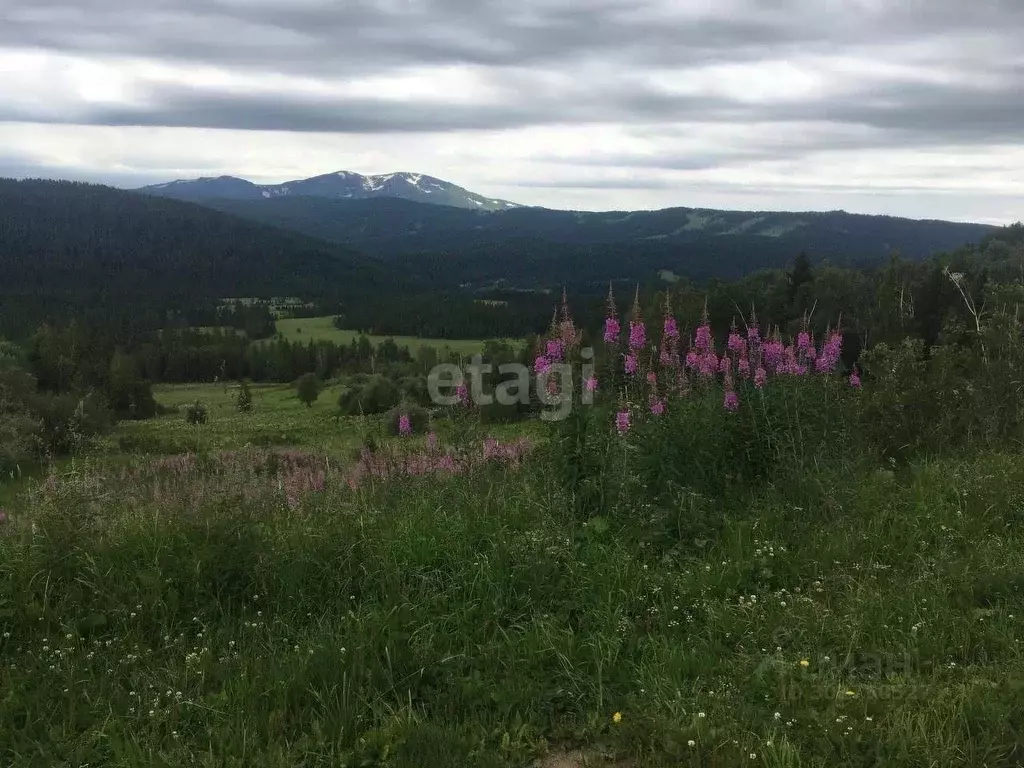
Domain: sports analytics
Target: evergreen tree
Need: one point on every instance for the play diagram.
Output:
(308, 388)
(244, 400)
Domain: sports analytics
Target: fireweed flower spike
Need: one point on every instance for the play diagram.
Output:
(736, 344)
(612, 329)
(591, 384)
(671, 327)
(622, 421)
(404, 425)
(637, 329)
(731, 401)
(760, 376)
(855, 379)
(631, 364)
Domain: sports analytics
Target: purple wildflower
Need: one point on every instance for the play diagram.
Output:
(732, 401)
(612, 330)
(637, 334)
(671, 330)
(855, 379)
(760, 376)
(658, 407)
(736, 343)
(622, 421)
(703, 342)
(591, 384)
(404, 425)
(631, 364)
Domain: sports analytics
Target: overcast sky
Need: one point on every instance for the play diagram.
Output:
(908, 107)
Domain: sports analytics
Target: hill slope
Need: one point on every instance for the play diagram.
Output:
(552, 245)
(342, 185)
(68, 247)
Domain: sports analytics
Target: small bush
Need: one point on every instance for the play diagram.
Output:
(244, 400)
(196, 413)
(419, 419)
(308, 388)
(377, 395)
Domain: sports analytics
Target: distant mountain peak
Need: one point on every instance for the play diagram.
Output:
(339, 185)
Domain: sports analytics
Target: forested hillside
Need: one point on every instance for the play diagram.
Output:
(529, 246)
(69, 248)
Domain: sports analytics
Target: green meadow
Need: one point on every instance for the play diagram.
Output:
(322, 329)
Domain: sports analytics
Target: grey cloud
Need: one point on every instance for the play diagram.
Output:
(362, 35)
(517, 45)
(900, 114)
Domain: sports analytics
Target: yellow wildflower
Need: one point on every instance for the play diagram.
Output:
(617, 717)
(804, 663)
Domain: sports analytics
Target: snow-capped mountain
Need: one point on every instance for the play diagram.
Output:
(342, 185)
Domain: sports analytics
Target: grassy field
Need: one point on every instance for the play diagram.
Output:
(278, 418)
(322, 328)
(166, 604)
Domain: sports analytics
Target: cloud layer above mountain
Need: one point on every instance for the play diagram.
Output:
(912, 107)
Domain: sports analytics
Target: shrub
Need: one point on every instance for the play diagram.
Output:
(308, 388)
(377, 395)
(243, 402)
(196, 413)
(419, 419)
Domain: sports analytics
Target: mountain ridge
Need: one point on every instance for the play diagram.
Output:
(338, 185)
(392, 226)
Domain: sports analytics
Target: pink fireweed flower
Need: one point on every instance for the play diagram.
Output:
(724, 365)
(555, 349)
(542, 364)
(637, 334)
(803, 340)
(692, 360)
(631, 364)
(612, 330)
(708, 364)
(591, 384)
(744, 367)
(652, 377)
(760, 376)
(703, 341)
(622, 421)
(404, 425)
(855, 379)
(658, 407)
(462, 393)
(753, 334)
(671, 330)
(736, 343)
(773, 353)
(731, 401)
